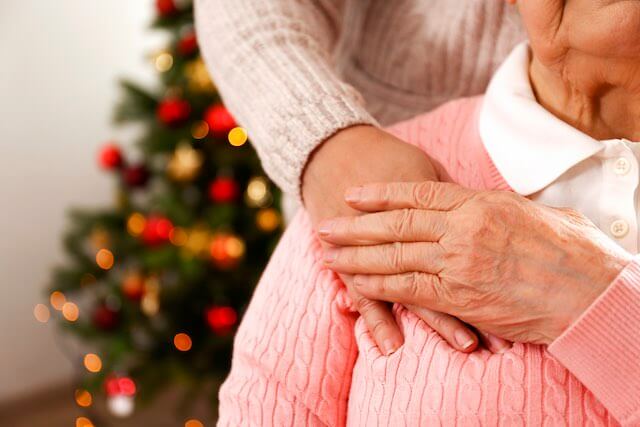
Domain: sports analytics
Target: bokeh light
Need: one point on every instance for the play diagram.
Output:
(193, 423)
(104, 259)
(200, 129)
(41, 313)
(83, 422)
(136, 223)
(83, 398)
(237, 136)
(267, 219)
(163, 62)
(70, 311)
(57, 300)
(182, 341)
(92, 362)
(178, 236)
(258, 194)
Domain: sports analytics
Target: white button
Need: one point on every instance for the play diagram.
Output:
(621, 166)
(619, 228)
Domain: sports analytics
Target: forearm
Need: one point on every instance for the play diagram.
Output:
(272, 63)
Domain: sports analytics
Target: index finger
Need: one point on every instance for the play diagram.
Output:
(430, 195)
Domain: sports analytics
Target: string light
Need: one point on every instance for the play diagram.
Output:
(92, 362)
(104, 259)
(57, 300)
(258, 194)
(70, 311)
(199, 129)
(267, 219)
(83, 422)
(193, 423)
(83, 398)
(182, 341)
(163, 62)
(185, 163)
(41, 313)
(237, 136)
(135, 224)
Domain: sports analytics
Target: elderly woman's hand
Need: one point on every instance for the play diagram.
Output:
(359, 155)
(496, 260)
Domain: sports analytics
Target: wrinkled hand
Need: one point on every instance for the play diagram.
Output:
(495, 260)
(363, 154)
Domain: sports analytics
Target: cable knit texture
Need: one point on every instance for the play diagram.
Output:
(295, 72)
(297, 360)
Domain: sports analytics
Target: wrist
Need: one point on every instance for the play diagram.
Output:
(596, 280)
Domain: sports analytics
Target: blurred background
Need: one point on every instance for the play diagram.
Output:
(98, 324)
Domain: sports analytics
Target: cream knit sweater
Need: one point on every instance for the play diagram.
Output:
(293, 72)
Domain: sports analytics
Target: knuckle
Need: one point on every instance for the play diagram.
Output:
(397, 256)
(411, 285)
(423, 193)
(402, 223)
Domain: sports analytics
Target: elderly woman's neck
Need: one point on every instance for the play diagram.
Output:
(603, 111)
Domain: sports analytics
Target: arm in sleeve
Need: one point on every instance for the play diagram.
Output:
(602, 348)
(272, 63)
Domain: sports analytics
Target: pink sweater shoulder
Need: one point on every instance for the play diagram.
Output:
(297, 360)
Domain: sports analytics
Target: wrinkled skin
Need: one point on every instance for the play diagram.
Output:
(495, 260)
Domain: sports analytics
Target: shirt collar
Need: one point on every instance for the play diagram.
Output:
(530, 146)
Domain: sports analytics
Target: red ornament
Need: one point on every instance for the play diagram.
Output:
(157, 230)
(224, 190)
(135, 176)
(105, 318)
(166, 7)
(219, 119)
(221, 319)
(173, 111)
(188, 44)
(115, 386)
(110, 157)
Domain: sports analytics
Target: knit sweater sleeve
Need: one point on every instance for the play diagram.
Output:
(602, 349)
(272, 63)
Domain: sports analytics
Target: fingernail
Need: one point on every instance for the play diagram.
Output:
(330, 255)
(463, 338)
(325, 228)
(353, 194)
(497, 345)
(389, 347)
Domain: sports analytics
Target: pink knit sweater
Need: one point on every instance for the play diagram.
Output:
(302, 357)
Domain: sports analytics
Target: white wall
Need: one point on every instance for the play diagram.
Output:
(59, 61)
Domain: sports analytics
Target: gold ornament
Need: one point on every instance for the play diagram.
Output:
(267, 220)
(258, 194)
(185, 163)
(136, 223)
(198, 79)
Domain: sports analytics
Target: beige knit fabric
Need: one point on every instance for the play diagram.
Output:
(293, 72)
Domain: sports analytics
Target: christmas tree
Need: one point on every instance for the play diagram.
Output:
(156, 284)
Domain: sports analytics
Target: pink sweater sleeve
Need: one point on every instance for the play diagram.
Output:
(602, 349)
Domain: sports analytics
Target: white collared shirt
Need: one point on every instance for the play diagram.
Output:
(544, 158)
